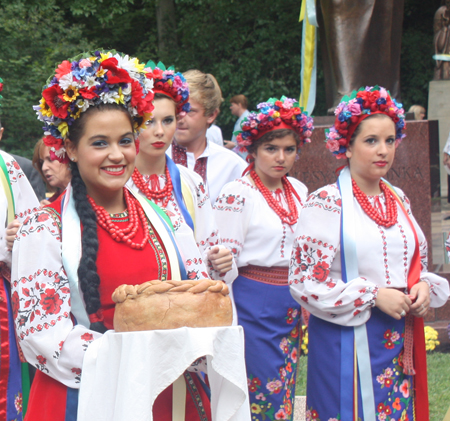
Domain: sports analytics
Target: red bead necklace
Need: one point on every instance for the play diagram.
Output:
(391, 205)
(163, 195)
(136, 216)
(288, 217)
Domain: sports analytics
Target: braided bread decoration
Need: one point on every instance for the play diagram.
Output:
(156, 305)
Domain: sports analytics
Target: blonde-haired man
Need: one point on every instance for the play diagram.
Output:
(190, 148)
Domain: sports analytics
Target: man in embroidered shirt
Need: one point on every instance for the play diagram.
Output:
(216, 165)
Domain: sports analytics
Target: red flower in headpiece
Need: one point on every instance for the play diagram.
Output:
(1, 87)
(63, 69)
(54, 98)
(142, 103)
(88, 93)
(115, 75)
(52, 142)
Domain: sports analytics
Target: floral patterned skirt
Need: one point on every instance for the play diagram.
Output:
(393, 389)
(270, 318)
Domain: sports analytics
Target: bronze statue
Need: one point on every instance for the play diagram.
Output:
(361, 44)
(441, 40)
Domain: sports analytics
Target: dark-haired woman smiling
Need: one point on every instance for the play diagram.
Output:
(71, 256)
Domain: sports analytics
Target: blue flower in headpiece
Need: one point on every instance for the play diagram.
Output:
(344, 115)
(381, 101)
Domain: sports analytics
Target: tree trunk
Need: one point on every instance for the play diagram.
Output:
(167, 25)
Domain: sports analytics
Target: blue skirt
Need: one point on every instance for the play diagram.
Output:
(393, 389)
(270, 318)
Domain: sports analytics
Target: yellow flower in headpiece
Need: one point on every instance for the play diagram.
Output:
(63, 129)
(76, 113)
(170, 82)
(70, 94)
(139, 66)
(104, 56)
(101, 72)
(45, 109)
(276, 114)
(120, 98)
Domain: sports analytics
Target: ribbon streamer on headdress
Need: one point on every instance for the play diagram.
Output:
(308, 71)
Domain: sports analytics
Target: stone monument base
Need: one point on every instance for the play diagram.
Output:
(439, 109)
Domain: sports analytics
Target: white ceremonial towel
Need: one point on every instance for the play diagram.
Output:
(123, 373)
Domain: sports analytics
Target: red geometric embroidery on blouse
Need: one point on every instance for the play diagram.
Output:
(231, 202)
(283, 241)
(236, 252)
(179, 154)
(423, 247)
(385, 258)
(318, 242)
(405, 251)
(200, 167)
(212, 240)
(328, 201)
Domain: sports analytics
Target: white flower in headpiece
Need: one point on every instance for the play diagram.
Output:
(60, 153)
(127, 91)
(66, 81)
(110, 97)
(148, 84)
(91, 81)
(82, 104)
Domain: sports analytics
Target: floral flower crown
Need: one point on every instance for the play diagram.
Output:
(354, 109)
(101, 77)
(172, 84)
(275, 114)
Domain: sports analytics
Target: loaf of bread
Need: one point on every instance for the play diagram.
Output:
(157, 305)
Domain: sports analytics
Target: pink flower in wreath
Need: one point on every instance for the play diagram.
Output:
(354, 107)
(333, 145)
(274, 386)
(84, 63)
(404, 388)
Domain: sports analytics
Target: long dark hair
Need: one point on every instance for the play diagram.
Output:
(87, 270)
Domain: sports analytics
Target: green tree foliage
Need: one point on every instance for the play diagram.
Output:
(34, 36)
(417, 64)
(252, 47)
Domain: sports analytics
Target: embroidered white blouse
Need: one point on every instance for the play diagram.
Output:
(222, 166)
(25, 201)
(251, 229)
(384, 258)
(206, 231)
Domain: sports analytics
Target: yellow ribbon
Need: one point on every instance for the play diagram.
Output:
(308, 71)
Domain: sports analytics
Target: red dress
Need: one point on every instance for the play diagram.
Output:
(117, 264)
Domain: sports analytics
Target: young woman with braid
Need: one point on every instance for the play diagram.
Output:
(71, 256)
(258, 215)
(175, 188)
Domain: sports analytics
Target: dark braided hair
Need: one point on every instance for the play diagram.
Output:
(87, 270)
